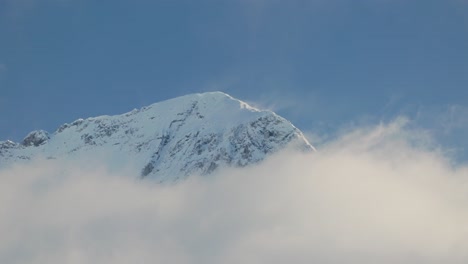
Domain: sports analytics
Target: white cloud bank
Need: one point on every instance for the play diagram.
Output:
(368, 197)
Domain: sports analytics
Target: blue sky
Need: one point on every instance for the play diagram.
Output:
(323, 64)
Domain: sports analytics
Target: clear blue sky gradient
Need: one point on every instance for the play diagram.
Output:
(320, 63)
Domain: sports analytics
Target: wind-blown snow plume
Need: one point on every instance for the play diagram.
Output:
(371, 196)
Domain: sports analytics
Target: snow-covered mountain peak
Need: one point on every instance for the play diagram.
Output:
(192, 134)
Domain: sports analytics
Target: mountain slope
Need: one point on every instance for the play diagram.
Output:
(192, 134)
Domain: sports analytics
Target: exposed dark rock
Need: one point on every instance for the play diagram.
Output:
(35, 138)
(147, 169)
(88, 139)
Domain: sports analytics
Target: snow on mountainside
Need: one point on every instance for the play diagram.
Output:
(192, 134)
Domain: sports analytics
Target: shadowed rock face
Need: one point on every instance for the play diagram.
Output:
(193, 134)
(36, 138)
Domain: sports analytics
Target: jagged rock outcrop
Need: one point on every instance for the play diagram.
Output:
(36, 138)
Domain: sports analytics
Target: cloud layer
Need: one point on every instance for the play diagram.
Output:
(371, 196)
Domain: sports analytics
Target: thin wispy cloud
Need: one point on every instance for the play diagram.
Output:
(370, 196)
(448, 125)
(454, 117)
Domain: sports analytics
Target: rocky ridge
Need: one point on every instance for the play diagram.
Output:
(169, 140)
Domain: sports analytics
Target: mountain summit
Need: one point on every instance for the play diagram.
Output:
(192, 134)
